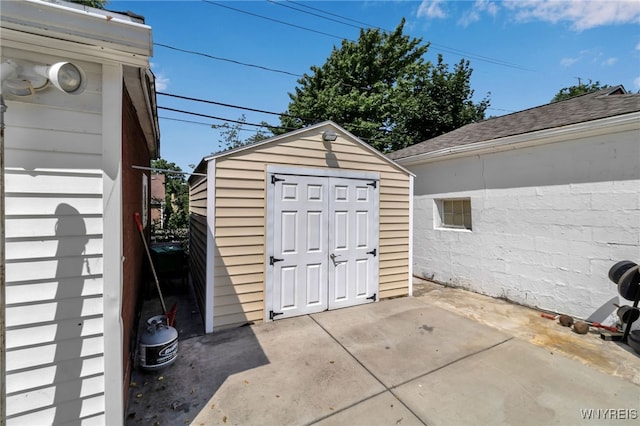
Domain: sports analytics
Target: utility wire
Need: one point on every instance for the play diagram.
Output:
(313, 14)
(242, 122)
(261, 67)
(226, 60)
(225, 119)
(207, 101)
(436, 46)
(202, 123)
(227, 105)
(186, 121)
(332, 14)
(273, 20)
(209, 125)
(211, 116)
(305, 119)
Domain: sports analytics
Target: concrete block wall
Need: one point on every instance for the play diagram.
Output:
(547, 222)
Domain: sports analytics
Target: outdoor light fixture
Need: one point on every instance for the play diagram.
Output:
(329, 136)
(24, 78)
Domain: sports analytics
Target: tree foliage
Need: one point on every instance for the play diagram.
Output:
(99, 4)
(230, 134)
(176, 207)
(381, 89)
(580, 89)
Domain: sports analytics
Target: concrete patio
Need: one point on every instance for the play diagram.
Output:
(446, 356)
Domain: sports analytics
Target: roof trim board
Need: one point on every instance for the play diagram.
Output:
(71, 22)
(542, 137)
(294, 133)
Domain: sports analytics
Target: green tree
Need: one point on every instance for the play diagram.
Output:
(99, 4)
(381, 89)
(230, 134)
(580, 89)
(176, 210)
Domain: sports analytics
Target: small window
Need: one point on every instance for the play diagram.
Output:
(455, 213)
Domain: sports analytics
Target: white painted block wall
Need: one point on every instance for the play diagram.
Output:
(548, 222)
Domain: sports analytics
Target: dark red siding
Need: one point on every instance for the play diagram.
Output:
(134, 152)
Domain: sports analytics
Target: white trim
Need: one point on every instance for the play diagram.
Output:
(66, 49)
(112, 241)
(316, 128)
(270, 194)
(268, 247)
(210, 253)
(619, 123)
(66, 21)
(305, 171)
(410, 236)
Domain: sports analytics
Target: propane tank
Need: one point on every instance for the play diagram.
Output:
(158, 346)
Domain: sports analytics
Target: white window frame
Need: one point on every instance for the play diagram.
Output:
(442, 223)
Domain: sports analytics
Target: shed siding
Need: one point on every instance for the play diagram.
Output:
(54, 249)
(198, 238)
(241, 215)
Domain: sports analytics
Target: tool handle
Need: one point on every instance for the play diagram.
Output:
(548, 316)
(606, 327)
(136, 217)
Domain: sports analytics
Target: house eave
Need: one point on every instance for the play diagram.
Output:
(140, 84)
(619, 123)
(80, 24)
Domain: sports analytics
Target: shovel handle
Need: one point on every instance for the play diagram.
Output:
(606, 327)
(136, 216)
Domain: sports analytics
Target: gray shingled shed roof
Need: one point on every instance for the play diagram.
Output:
(604, 103)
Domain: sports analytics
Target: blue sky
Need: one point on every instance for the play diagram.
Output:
(522, 52)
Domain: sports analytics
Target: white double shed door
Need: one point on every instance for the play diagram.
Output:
(322, 240)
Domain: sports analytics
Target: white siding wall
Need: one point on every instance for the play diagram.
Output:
(548, 221)
(54, 249)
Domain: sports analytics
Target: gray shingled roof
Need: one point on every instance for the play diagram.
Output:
(604, 103)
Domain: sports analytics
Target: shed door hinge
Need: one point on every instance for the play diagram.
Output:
(272, 314)
(273, 260)
(374, 252)
(372, 297)
(275, 179)
(374, 184)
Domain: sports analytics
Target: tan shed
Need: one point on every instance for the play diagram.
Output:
(311, 220)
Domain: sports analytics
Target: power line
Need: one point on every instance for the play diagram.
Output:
(214, 117)
(265, 125)
(273, 19)
(206, 55)
(242, 123)
(305, 119)
(332, 14)
(313, 14)
(436, 46)
(187, 121)
(225, 119)
(225, 105)
(202, 123)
